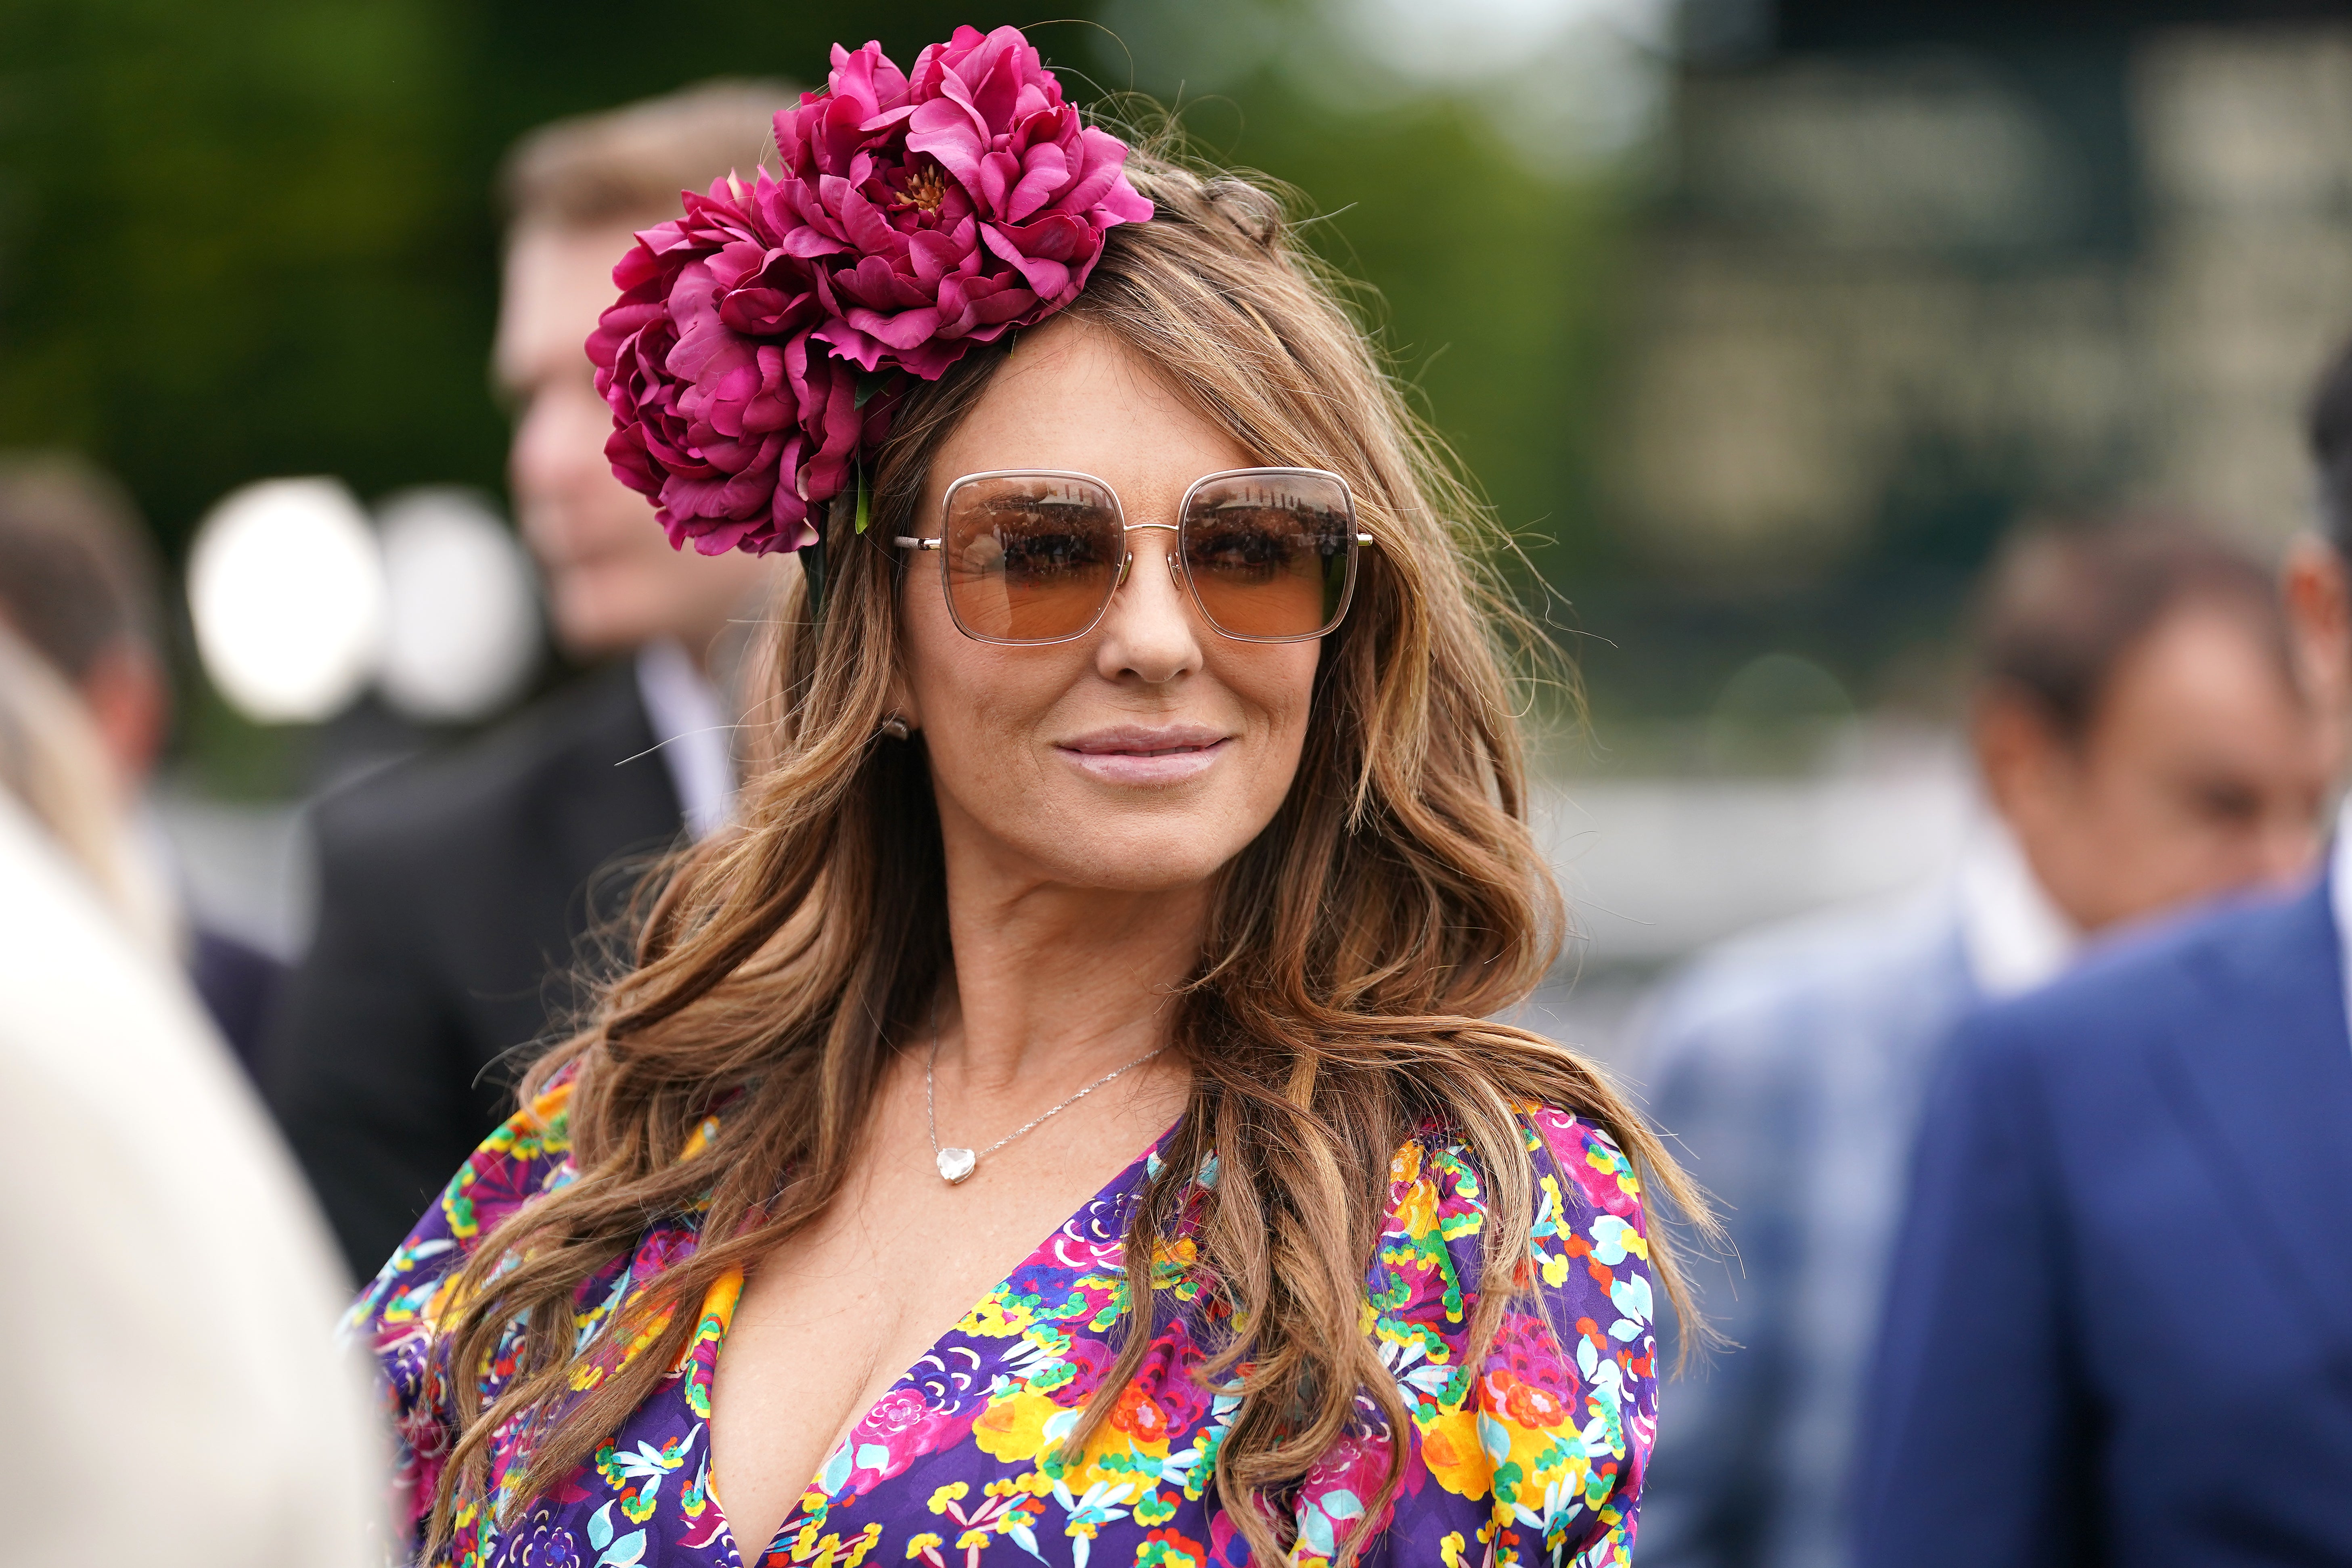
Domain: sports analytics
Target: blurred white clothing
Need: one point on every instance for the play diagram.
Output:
(2015, 938)
(693, 731)
(166, 1334)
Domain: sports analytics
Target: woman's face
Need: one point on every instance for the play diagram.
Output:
(1148, 753)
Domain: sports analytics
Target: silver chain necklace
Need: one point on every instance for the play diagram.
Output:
(956, 1165)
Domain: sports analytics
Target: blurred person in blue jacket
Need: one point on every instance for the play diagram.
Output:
(79, 583)
(2118, 1324)
(2143, 739)
(456, 892)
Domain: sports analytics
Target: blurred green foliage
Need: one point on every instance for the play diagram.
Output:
(252, 241)
(1491, 288)
(265, 245)
(261, 240)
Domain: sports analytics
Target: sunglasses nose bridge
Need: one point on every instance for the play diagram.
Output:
(1126, 557)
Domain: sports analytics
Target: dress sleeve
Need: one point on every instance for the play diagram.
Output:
(397, 1318)
(1537, 1452)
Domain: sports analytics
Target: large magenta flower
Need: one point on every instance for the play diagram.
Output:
(756, 350)
(943, 208)
(724, 411)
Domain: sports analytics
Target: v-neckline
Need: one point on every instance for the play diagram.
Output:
(1122, 1182)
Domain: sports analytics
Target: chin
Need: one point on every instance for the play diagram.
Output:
(1162, 858)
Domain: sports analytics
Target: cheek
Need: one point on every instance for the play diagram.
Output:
(979, 706)
(1275, 683)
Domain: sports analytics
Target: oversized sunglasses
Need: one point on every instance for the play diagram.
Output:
(1034, 555)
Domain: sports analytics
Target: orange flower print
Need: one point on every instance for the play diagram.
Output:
(1140, 1416)
(1530, 1404)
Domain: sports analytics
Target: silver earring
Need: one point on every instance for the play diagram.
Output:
(895, 725)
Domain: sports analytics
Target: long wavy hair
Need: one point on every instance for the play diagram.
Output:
(1342, 999)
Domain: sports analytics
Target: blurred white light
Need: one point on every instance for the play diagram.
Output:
(1477, 40)
(462, 637)
(286, 587)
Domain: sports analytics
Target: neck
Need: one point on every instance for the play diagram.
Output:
(1060, 985)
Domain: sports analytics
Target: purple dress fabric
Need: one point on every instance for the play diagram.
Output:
(1535, 1454)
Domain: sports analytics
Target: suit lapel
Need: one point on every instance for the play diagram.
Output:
(2265, 1079)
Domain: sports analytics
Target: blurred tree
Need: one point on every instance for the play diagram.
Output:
(1490, 284)
(263, 242)
(237, 244)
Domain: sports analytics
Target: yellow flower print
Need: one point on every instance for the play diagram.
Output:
(1449, 1446)
(592, 1371)
(998, 1316)
(1416, 1209)
(1554, 1264)
(1450, 1549)
(954, 1491)
(1048, 1339)
(835, 1553)
(1173, 1261)
(1035, 1483)
(1016, 1427)
(1604, 1157)
(698, 1358)
(548, 1113)
(924, 1542)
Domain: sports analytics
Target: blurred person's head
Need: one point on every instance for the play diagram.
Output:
(56, 766)
(2319, 568)
(77, 585)
(575, 192)
(2139, 719)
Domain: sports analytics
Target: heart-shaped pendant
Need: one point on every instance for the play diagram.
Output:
(955, 1165)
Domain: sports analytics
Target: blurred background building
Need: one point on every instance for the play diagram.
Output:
(1757, 322)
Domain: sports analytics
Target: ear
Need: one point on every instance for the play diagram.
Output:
(900, 699)
(2318, 594)
(2017, 753)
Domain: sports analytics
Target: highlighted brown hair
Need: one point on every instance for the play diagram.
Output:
(1355, 951)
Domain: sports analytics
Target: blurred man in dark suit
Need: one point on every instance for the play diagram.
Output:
(455, 893)
(77, 584)
(2144, 741)
(2119, 1326)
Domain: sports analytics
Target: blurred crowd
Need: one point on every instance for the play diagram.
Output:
(2035, 1178)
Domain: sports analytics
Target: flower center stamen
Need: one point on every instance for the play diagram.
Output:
(925, 189)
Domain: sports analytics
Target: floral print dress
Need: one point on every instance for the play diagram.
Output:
(1536, 1454)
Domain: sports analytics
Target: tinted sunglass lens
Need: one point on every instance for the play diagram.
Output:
(1030, 557)
(1271, 556)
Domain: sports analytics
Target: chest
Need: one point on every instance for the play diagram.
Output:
(962, 1445)
(852, 1305)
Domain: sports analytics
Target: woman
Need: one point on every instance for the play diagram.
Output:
(1138, 855)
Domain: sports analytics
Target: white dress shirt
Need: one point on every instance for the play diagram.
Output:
(2014, 936)
(693, 732)
(2339, 893)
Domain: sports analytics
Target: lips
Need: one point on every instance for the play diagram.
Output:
(1136, 754)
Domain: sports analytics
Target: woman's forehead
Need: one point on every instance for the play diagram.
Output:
(1074, 398)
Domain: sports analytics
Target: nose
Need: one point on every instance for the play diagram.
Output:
(1148, 633)
(558, 443)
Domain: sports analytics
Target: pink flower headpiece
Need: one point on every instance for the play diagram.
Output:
(762, 340)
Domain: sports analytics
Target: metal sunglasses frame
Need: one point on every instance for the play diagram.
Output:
(1177, 570)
